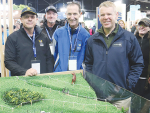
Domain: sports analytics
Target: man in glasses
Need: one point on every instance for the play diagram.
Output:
(27, 50)
(70, 41)
(142, 87)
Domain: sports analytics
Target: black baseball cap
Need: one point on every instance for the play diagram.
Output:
(28, 10)
(51, 8)
(146, 21)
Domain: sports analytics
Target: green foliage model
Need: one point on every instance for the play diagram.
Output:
(19, 7)
(17, 96)
(124, 110)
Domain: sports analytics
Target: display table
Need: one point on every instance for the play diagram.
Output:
(59, 94)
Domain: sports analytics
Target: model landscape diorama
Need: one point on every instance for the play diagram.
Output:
(64, 93)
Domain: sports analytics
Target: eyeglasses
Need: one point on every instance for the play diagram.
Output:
(142, 25)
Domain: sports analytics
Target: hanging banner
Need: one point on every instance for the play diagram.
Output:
(121, 9)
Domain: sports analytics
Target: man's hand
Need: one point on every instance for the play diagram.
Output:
(31, 72)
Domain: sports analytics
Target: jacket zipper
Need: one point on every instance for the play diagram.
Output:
(141, 42)
(106, 52)
(106, 62)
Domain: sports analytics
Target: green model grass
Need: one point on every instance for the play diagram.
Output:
(59, 95)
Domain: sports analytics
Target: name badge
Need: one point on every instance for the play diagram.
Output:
(72, 64)
(52, 48)
(35, 64)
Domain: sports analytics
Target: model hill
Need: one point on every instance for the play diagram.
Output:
(50, 93)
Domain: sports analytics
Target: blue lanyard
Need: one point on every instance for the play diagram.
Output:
(33, 40)
(49, 34)
(73, 48)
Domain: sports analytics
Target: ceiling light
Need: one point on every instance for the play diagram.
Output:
(118, 2)
(63, 9)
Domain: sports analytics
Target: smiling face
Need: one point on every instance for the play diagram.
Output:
(29, 21)
(73, 15)
(108, 17)
(121, 23)
(51, 16)
(143, 29)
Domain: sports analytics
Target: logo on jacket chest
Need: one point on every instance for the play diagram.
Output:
(79, 47)
(41, 43)
(117, 44)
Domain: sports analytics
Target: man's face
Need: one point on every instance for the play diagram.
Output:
(41, 24)
(51, 16)
(143, 29)
(73, 15)
(83, 25)
(29, 21)
(17, 26)
(108, 17)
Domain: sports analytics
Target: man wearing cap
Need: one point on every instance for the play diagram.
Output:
(142, 87)
(27, 49)
(70, 41)
(50, 24)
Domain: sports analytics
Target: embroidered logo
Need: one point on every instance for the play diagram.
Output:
(28, 8)
(41, 43)
(117, 44)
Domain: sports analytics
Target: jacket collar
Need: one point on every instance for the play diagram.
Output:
(101, 30)
(118, 34)
(76, 30)
(45, 24)
(66, 25)
(147, 35)
(37, 29)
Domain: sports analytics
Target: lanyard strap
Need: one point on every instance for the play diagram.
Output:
(49, 34)
(73, 47)
(33, 40)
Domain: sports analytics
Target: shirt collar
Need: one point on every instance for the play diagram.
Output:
(113, 32)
